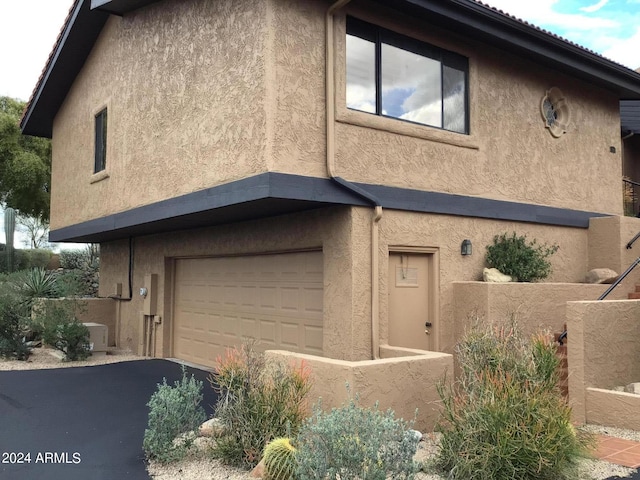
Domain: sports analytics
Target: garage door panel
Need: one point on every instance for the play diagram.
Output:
(276, 299)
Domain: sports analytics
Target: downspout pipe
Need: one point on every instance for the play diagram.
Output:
(330, 102)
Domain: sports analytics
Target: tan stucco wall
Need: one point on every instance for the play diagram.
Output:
(509, 155)
(200, 93)
(613, 409)
(336, 231)
(603, 352)
(446, 233)
(185, 86)
(403, 384)
(344, 235)
(537, 307)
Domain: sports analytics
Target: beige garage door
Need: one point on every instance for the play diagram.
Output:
(276, 299)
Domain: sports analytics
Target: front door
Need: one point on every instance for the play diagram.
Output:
(412, 290)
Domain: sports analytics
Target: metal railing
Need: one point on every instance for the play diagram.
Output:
(631, 197)
(619, 280)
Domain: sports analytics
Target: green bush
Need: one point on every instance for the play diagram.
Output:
(352, 443)
(70, 283)
(173, 411)
(258, 402)
(13, 326)
(35, 283)
(515, 256)
(26, 259)
(504, 418)
(61, 329)
(74, 259)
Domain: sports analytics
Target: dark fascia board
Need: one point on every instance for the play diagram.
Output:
(119, 7)
(271, 194)
(76, 41)
(471, 19)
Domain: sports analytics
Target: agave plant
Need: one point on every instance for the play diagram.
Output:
(36, 283)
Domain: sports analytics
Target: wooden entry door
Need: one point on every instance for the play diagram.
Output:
(412, 300)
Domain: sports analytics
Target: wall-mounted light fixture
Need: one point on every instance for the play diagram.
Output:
(466, 248)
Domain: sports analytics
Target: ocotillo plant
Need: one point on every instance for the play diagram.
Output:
(9, 229)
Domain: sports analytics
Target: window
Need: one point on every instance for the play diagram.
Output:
(100, 154)
(396, 76)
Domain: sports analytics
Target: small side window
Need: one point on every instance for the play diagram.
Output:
(100, 155)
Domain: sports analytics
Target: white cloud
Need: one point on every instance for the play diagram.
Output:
(625, 50)
(29, 30)
(594, 8)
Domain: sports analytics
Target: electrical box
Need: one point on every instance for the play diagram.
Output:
(98, 336)
(150, 302)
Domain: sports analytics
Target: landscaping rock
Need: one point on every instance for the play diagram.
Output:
(211, 428)
(601, 275)
(494, 275)
(258, 472)
(633, 388)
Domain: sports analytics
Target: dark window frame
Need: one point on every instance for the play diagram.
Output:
(100, 145)
(379, 35)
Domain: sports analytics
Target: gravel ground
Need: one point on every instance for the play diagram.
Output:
(198, 466)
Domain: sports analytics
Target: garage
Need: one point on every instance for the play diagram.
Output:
(274, 298)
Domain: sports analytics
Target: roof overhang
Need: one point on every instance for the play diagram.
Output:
(270, 194)
(119, 7)
(466, 17)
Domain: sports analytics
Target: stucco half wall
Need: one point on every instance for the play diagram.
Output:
(403, 380)
(604, 352)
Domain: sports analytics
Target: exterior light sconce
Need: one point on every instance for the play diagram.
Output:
(466, 248)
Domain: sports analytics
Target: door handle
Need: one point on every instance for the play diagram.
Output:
(428, 324)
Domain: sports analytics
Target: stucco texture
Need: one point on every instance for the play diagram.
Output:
(184, 83)
(406, 384)
(603, 352)
(509, 154)
(346, 332)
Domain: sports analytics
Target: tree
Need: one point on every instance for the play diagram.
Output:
(36, 230)
(25, 164)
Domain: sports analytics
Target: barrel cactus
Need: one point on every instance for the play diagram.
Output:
(279, 460)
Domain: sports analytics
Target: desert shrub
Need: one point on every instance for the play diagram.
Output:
(13, 326)
(61, 329)
(504, 418)
(352, 442)
(35, 283)
(70, 283)
(258, 402)
(173, 411)
(73, 259)
(515, 256)
(36, 258)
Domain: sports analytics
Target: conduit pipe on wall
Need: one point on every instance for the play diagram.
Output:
(331, 171)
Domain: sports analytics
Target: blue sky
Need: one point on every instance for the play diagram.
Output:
(610, 27)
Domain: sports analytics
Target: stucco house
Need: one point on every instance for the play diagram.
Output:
(306, 173)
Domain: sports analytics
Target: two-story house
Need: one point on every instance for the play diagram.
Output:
(306, 172)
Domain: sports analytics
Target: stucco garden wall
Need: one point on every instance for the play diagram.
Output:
(403, 384)
(604, 352)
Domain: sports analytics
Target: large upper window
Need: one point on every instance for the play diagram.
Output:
(396, 76)
(100, 148)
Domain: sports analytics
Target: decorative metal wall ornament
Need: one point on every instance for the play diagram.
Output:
(554, 108)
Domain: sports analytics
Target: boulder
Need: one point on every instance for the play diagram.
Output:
(211, 428)
(633, 388)
(258, 472)
(495, 276)
(601, 275)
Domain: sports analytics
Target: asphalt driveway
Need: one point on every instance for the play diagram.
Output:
(81, 423)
